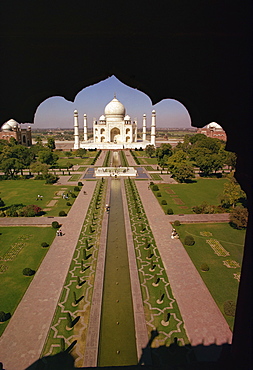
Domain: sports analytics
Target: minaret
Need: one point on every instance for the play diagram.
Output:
(144, 127)
(85, 136)
(135, 130)
(153, 124)
(76, 131)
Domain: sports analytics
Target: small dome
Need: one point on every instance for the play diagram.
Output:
(115, 108)
(102, 118)
(127, 118)
(12, 123)
(214, 125)
(6, 127)
(9, 125)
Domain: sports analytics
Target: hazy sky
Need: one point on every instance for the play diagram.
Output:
(57, 112)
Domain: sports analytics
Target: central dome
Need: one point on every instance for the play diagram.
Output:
(115, 108)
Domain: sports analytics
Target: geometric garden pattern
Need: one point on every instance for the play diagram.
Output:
(76, 296)
(160, 307)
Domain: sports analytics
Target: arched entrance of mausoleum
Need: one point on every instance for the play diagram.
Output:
(115, 135)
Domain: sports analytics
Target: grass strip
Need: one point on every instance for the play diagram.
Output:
(159, 302)
(76, 296)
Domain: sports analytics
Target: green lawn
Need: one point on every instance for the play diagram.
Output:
(155, 176)
(13, 282)
(62, 162)
(182, 197)
(143, 158)
(150, 168)
(75, 177)
(219, 279)
(26, 191)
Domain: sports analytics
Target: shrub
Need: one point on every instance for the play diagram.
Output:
(151, 183)
(80, 183)
(189, 240)
(169, 211)
(155, 188)
(1, 202)
(31, 210)
(73, 195)
(177, 223)
(55, 225)
(239, 218)
(44, 244)
(2, 214)
(229, 308)
(39, 177)
(204, 267)
(68, 204)
(158, 194)
(164, 202)
(76, 188)
(12, 211)
(204, 208)
(62, 213)
(28, 272)
(4, 316)
(51, 179)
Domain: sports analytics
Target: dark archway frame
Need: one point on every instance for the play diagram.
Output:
(196, 52)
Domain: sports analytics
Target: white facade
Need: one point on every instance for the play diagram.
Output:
(113, 130)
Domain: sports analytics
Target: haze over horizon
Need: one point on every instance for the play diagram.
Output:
(57, 112)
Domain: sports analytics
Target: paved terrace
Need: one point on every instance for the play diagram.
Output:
(203, 320)
(23, 339)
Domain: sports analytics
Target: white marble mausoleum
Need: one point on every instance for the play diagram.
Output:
(113, 130)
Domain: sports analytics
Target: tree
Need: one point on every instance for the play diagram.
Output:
(150, 150)
(69, 165)
(68, 154)
(205, 164)
(230, 160)
(23, 154)
(39, 167)
(239, 217)
(177, 157)
(38, 141)
(232, 191)
(80, 152)
(182, 172)
(50, 143)
(164, 149)
(47, 156)
(10, 166)
(197, 137)
(217, 161)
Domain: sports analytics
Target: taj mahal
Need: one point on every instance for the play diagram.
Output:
(113, 130)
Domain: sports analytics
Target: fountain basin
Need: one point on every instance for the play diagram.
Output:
(115, 172)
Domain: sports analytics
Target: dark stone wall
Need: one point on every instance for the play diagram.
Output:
(198, 52)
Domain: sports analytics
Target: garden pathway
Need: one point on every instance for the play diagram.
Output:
(130, 159)
(203, 320)
(101, 158)
(22, 341)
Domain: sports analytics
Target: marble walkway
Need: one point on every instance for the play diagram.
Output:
(203, 320)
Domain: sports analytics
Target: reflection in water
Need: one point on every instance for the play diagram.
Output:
(115, 159)
(117, 345)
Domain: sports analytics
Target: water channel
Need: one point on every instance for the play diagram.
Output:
(117, 344)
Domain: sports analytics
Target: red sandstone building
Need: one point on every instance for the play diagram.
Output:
(213, 130)
(13, 129)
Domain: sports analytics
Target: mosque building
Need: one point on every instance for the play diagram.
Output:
(213, 130)
(114, 130)
(13, 129)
